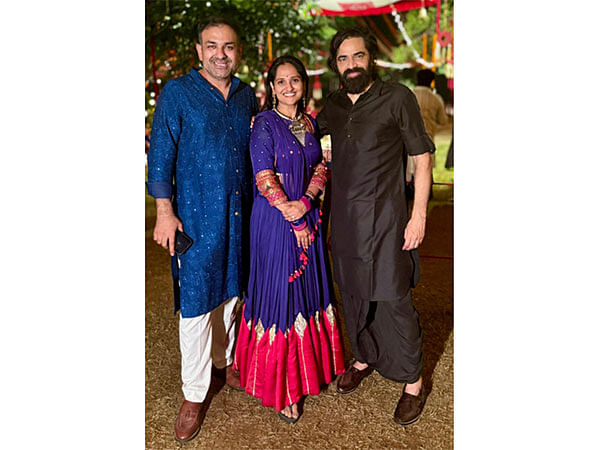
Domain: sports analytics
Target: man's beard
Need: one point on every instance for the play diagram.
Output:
(359, 83)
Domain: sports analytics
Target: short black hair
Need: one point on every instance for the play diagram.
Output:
(342, 35)
(425, 77)
(286, 59)
(215, 21)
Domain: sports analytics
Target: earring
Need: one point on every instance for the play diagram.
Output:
(274, 100)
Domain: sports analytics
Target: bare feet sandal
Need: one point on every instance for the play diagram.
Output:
(287, 419)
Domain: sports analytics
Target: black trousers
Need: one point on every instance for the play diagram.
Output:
(386, 335)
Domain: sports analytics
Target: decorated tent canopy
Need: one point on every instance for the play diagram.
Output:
(442, 42)
(369, 8)
(299, 27)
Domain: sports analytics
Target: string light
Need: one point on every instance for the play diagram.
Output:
(312, 73)
(391, 65)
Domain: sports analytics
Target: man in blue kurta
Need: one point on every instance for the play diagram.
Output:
(198, 172)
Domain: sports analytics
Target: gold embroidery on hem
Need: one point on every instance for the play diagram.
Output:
(330, 315)
(272, 334)
(260, 331)
(300, 325)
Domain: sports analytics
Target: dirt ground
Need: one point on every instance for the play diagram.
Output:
(363, 419)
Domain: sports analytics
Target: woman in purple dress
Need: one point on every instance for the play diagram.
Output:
(289, 342)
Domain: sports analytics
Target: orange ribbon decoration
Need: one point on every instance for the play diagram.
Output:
(269, 46)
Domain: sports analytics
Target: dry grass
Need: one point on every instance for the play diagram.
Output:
(362, 419)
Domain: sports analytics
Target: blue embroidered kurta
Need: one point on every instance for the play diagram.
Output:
(200, 141)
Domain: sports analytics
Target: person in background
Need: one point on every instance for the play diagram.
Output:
(431, 104)
(374, 126)
(432, 110)
(289, 341)
(200, 137)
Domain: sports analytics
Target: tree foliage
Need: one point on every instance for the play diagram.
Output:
(171, 35)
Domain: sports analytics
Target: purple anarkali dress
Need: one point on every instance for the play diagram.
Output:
(289, 342)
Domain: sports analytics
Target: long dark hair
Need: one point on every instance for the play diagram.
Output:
(271, 79)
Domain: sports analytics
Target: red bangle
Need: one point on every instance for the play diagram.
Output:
(306, 202)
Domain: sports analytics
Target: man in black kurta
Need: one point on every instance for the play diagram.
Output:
(374, 126)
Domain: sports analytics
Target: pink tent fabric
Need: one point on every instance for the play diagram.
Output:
(369, 8)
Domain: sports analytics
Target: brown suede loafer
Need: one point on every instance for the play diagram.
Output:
(409, 407)
(351, 378)
(187, 424)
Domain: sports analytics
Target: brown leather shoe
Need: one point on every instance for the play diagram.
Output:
(351, 378)
(187, 424)
(410, 407)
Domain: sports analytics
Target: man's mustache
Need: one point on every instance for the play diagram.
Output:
(221, 60)
(359, 70)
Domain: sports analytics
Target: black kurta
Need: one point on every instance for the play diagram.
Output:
(371, 140)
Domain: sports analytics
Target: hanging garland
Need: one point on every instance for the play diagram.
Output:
(442, 39)
(391, 65)
(418, 57)
(313, 72)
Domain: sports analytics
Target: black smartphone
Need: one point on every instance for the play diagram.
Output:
(182, 242)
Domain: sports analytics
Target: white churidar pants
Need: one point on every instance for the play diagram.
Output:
(205, 340)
